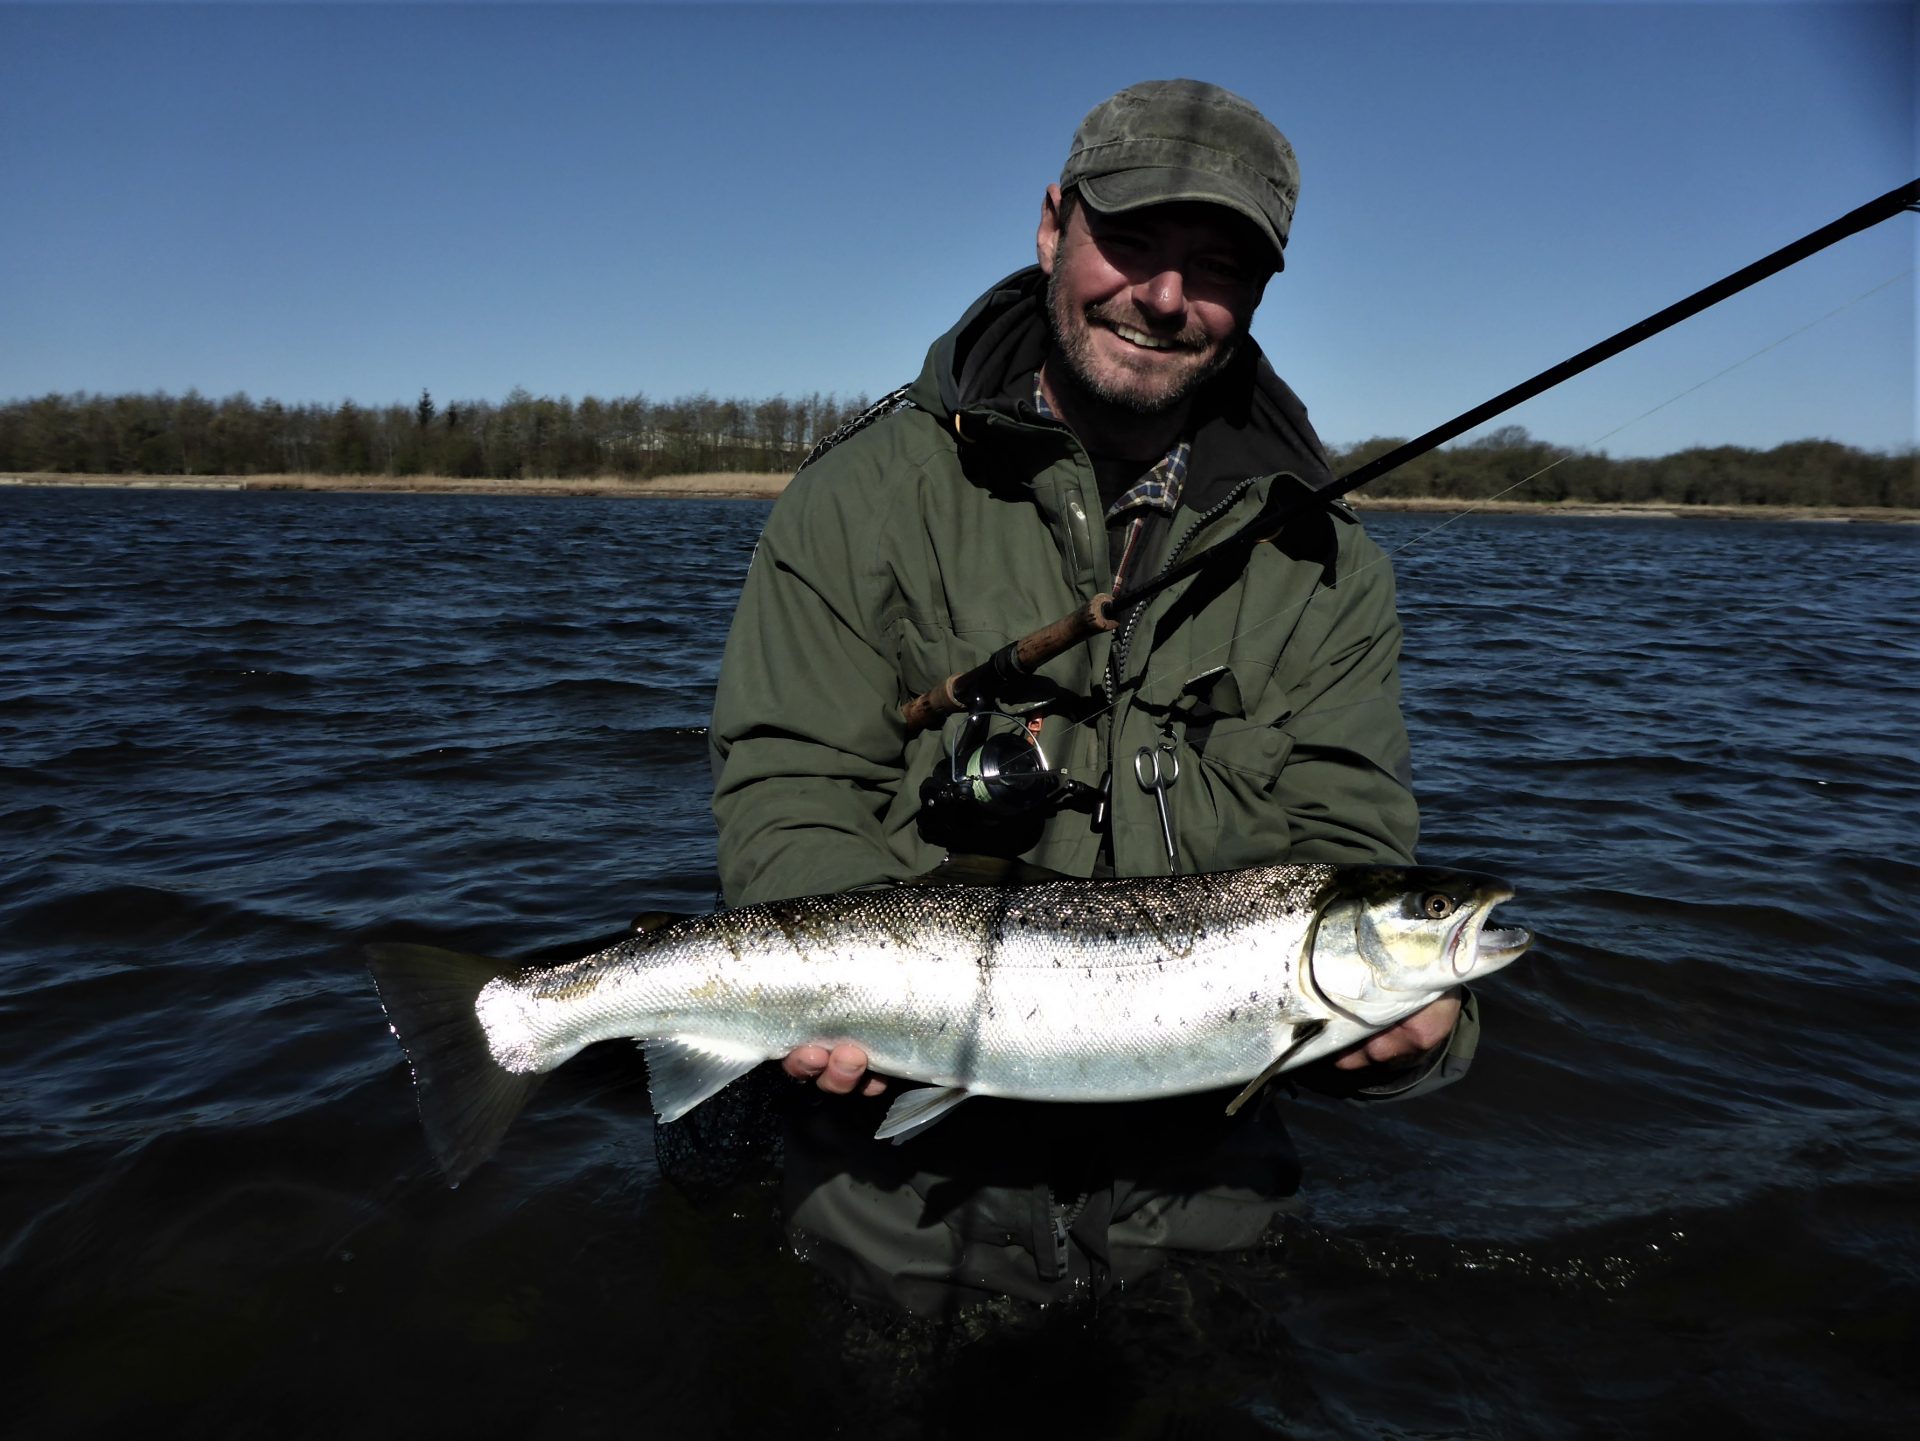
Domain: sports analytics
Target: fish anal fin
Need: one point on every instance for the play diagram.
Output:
(915, 1110)
(683, 1071)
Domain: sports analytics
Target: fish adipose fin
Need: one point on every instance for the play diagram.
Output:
(467, 1100)
(683, 1071)
(916, 1110)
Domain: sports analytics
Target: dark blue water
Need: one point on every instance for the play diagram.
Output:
(240, 732)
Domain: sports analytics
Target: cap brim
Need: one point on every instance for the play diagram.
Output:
(1136, 189)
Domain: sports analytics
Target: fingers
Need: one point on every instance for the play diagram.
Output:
(1426, 1029)
(841, 1070)
(1420, 1032)
(1387, 1046)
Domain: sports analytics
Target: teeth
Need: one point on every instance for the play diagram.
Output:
(1141, 338)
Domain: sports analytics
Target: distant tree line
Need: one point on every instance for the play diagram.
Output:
(1510, 461)
(519, 438)
(525, 437)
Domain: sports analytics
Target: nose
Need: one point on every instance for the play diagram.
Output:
(1162, 294)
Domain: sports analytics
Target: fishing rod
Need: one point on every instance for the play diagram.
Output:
(976, 689)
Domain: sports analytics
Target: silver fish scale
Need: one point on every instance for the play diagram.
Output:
(1067, 990)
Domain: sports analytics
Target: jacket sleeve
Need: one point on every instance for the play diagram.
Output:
(1348, 783)
(806, 741)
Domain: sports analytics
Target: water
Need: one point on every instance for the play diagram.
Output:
(239, 732)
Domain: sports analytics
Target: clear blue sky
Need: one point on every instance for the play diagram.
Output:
(318, 202)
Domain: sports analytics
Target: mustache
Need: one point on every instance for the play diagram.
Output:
(1191, 337)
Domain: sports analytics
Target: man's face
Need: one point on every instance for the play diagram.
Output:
(1146, 307)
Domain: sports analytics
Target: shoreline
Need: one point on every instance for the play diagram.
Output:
(744, 485)
(739, 485)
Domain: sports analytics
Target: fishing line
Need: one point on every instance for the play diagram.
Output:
(974, 689)
(1499, 495)
(1775, 344)
(1386, 556)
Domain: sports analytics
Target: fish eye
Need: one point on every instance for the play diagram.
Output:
(1437, 907)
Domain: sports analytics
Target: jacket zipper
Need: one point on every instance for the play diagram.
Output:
(1117, 661)
(1123, 638)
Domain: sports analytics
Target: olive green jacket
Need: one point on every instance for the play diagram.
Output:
(913, 549)
(919, 545)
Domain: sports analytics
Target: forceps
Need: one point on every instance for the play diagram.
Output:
(1156, 774)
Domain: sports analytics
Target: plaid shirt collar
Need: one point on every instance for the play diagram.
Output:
(1158, 488)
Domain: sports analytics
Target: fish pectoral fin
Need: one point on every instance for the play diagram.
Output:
(683, 1071)
(1301, 1035)
(916, 1110)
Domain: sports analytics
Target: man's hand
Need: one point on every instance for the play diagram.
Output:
(840, 1070)
(1420, 1032)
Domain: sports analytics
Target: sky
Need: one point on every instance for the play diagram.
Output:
(324, 202)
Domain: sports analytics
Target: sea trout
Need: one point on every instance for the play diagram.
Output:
(1064, 990)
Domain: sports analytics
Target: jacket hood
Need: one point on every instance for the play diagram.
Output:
(1244, 414)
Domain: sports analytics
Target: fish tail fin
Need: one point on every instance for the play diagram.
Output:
(467, 1099)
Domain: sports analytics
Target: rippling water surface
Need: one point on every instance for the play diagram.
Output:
(239, 732)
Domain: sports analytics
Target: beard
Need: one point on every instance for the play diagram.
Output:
(1134, 393)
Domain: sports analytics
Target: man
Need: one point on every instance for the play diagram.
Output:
(1116, 380)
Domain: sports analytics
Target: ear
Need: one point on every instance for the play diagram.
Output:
(1046, 243)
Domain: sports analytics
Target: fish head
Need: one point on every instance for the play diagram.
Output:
(1390, 937)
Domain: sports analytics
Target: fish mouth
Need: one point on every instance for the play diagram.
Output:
(1498, 947)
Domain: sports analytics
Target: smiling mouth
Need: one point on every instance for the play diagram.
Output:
(1143, 340)
(1183, 344)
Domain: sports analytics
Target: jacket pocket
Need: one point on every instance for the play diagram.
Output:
(1239, 768)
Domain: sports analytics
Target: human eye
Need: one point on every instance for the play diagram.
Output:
(1227, 269)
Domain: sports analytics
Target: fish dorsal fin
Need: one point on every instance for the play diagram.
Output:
(916, 1110)
(969, 870)
(683, 1071)
(657, 920)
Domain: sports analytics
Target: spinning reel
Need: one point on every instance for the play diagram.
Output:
(997, 770)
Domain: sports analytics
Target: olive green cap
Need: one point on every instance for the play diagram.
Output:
(1167, 140)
